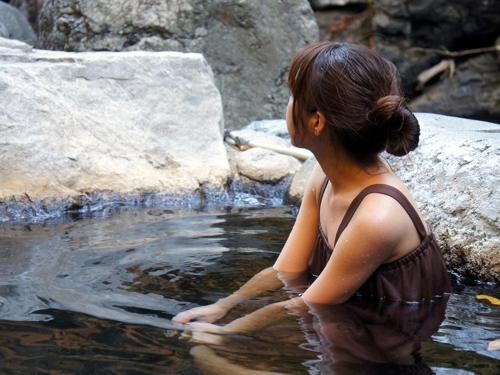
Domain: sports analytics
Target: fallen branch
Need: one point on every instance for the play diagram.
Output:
(466, 52)
(428, 74)
(243, 144)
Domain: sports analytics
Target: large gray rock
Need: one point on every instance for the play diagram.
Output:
(402, 25)
(13, 25)
(248, 43)
(30, 9)
(347, 24)
(454, 177)
(72, 124)
(475, 85)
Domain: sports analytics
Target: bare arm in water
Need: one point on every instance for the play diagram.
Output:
(265, 280)
(292, 260)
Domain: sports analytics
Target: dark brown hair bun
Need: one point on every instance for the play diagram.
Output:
(359, 94)
(403, 131)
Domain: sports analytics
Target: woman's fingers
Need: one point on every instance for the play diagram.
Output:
(209, 314)
(188, 316)
(183, 317)
(205, 333)
(206, 327)
(186, 335)
(206, 338)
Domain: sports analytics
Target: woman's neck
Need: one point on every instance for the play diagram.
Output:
(347, 174)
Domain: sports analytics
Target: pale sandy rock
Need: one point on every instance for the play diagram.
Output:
(9, 47)
(454, 177)
(231, 156)
(77, 123)
(264, 166)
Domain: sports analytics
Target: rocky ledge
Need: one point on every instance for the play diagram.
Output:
(78, 128)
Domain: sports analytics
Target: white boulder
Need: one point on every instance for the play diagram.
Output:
(126, 122)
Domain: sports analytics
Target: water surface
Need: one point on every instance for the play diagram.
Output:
(96, 296)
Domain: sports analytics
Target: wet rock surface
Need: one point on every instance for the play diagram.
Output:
(417, 35)
(80, 127)
(453, 176)
(402, 27)
(248, 44)
(475, 85)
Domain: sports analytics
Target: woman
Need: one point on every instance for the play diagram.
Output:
(358, 231)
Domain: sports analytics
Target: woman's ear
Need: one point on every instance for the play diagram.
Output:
(317, 123)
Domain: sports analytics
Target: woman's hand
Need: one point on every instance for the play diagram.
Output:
(210, 313)
(265, 280)
(206, 333)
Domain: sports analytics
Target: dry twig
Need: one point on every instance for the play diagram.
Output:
(466, 52)
(428, 74)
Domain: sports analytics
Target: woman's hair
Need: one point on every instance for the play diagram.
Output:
(359, 93)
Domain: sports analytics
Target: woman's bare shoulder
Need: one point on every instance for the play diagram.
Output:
(386, 223)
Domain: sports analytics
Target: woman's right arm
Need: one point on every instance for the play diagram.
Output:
(300, 243)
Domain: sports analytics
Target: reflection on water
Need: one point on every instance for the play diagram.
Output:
(96, 296)
(383, 337)
(73, 343)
